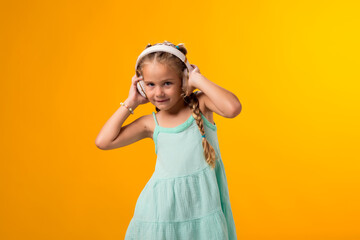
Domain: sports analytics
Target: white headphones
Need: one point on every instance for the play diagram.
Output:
(164, 48)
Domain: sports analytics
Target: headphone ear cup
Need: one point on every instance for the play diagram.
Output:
(186, 81)
(141, 88)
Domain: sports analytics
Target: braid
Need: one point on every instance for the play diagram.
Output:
(209, 152)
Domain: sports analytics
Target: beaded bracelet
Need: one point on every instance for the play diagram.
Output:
(129, 108)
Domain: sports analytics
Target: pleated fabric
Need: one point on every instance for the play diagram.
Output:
(184, 198)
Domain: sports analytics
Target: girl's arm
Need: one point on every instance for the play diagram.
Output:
(113, 135)
(216, 98)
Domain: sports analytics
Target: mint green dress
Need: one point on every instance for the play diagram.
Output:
(185, 199)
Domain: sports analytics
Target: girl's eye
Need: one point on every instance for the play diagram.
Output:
(151, 84)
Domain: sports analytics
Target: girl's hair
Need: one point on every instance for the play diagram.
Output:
(192, 101)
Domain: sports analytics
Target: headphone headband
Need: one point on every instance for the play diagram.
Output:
(164, 48)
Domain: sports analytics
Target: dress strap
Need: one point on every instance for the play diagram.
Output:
(155, 119)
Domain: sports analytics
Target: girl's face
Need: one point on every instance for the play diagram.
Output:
(162, 85)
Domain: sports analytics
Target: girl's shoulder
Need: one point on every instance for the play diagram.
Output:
(149, 124)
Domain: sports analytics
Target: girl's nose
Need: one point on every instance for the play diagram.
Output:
(159, 91)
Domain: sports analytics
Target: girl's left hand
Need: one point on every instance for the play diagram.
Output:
(194, 75)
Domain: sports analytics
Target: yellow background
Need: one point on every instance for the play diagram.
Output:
(291, 156)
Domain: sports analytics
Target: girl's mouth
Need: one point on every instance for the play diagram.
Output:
(163, 100)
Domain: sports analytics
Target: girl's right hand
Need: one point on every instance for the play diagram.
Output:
(134, 95)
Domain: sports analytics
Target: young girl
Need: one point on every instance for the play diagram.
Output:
(187, 196)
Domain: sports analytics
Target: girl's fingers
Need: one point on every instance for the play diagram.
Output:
(135, 80)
